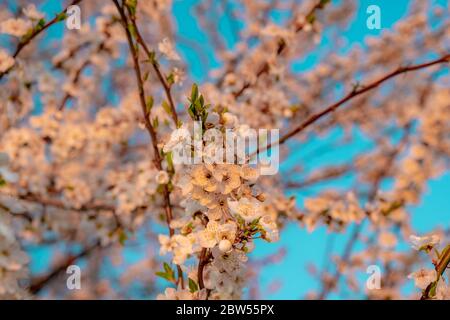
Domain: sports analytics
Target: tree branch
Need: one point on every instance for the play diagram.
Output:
(354, 93)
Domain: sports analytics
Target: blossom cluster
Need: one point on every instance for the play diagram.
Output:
(432, 282)
(223, 215)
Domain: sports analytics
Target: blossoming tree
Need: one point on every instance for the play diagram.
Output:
(92, 123)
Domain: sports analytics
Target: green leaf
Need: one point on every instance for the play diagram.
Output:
(122, 237)
(169, 158)
(40, 24)
(192, 285)
(132, 30)
(152, 57)
(166, 107)
(194, 93)
(155, 122)
(146, 76)
(191, 111)
(2, 181)
(167, 274)
(62, 16)
(170, 79)
(163, 275)
(149, 104)
(311, 18)
(132, 4)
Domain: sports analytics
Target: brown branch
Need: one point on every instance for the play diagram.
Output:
(35, 33)
(201, 265)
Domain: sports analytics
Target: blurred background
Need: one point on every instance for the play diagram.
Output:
(287, 267)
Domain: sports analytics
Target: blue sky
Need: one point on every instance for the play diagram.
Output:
(302, 247)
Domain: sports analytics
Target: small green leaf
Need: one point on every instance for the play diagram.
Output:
(167, 274)
(149, 104)
(122, 237)
(132, 4)
(169, 158)
(155, 122)
(146, 76)
(132, 30)
(40, 24)
(194, 93)
(163, 275)
(151, 58)
(192, 285)
(2, 182)
(166, 107)
(60, 17)
(311, 18)
(170, 79)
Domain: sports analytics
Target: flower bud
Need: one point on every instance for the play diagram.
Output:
(225, 245)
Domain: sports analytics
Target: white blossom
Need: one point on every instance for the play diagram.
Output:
(424, 242)
(166, 47)
(6, 61)
(15, 27)
(32, 12)
(423, 278)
